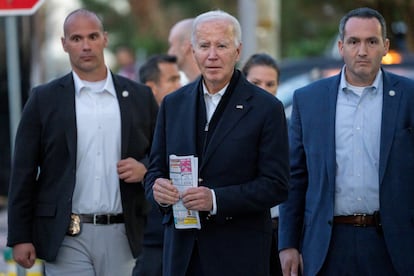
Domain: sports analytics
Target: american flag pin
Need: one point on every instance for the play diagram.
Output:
(239, 106)
(125, 93)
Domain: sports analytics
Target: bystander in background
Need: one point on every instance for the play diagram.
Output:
(160, 72)
(179, 40)
(262, 70)
(126, 63)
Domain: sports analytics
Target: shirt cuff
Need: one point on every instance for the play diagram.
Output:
(214, 211)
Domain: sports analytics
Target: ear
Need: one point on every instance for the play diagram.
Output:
(340, 47)
(105, 34)
(62, 39)
(386, 46)
(239, 49)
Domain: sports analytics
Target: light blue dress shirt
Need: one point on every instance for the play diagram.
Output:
(357, 147)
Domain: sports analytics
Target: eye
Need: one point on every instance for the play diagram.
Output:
(75, 38)
(94, 36)
(373, 42)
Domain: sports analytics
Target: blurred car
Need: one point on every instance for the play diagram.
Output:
(296, 74)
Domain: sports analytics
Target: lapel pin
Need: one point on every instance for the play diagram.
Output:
(239, 106)
(391, 93)
(125, 93)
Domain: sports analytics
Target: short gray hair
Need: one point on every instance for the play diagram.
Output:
(217, 15)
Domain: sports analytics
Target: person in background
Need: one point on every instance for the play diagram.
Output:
(224, 121)
(126, 63)
(160, 72)
(179, 40)
(75, 200)
(262, 70)
(350, 205)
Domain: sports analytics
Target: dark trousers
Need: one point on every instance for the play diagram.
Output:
(149, 262)
(357, 251)
(194, 268)
(275, 267)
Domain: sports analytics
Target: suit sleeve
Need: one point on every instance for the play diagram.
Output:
(292, 211)
(21, 201)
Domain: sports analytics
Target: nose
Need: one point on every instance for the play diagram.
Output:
(212, 53)
(86, 44)
(362, 50)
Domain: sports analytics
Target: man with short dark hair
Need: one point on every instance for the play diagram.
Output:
(350, 205)
(160, 72)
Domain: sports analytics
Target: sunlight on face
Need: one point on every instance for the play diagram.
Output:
(216, 53)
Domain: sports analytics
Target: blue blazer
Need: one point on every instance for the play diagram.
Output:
(306, 217)
(245, 162)
(39, 206)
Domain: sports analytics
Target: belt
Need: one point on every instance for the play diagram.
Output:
(101, 218)
(361, 220)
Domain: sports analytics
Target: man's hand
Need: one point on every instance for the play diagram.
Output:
(164, 192)
(24, 254)
(291, 262)
(131, 170)
(198, 199)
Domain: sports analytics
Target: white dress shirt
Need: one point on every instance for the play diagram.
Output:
(98, 125)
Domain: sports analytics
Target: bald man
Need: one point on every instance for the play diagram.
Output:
(179, 40)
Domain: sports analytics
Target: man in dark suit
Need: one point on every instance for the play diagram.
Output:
(238, 133)
(350, 206)
(81, 151)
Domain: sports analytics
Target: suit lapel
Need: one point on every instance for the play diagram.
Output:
(391, 100)
(329, 119)
(67, 104)
(123, 95)
(237, 107)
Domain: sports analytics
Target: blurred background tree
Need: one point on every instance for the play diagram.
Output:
(145, 24)
(308, 26)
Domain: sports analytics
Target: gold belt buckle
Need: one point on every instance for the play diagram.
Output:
(74, 225)
(362, 220)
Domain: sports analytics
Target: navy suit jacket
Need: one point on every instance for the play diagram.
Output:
(245, 162)
(306, 217)
(44, 165)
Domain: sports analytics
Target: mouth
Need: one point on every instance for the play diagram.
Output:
(86, 58)
(212, 68)
(363, 62)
